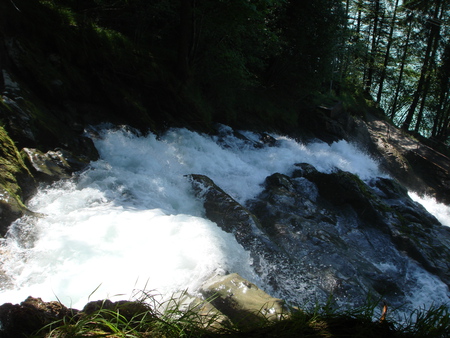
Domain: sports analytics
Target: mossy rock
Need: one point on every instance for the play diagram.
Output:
(16, 182)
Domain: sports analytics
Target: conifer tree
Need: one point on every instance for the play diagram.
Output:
(434, 11)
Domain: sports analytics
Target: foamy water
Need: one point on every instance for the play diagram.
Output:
(439, 210)
(131, 221)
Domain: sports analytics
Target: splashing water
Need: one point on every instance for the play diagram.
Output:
(131, 221)
(438, 210)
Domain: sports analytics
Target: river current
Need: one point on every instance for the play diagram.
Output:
(130, 222)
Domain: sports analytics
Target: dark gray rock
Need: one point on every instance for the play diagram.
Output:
(270, 261)
(344, 236)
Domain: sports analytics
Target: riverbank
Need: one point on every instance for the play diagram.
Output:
(264, 316)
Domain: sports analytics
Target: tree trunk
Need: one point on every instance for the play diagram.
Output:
(387, 54)
(426, 88)
(402, 67)
(442, 114)
(431, 44)
(373, 49)
(358, 21)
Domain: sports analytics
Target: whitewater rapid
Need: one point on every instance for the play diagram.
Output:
(130, 221)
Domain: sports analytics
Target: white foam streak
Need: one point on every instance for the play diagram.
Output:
(122, 249)
(439, 210)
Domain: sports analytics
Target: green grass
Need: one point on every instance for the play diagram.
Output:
(147, 317)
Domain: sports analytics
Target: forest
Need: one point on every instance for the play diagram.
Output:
(237, 61)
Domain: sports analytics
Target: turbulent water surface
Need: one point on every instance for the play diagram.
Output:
(131, 222)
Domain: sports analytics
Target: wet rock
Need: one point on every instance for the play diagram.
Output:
(227, 138)
(225, 211)
(434, 169)
(53, 165)
(270, 260)
(207, 315)
(353, 229)
(242, 302)
(415, 165)
(130, 310)
(344, 236)
(318, 235)
(11, 208)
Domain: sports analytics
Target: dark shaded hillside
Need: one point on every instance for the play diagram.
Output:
(70, 74)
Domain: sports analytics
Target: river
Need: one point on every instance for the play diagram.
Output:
(130, 221)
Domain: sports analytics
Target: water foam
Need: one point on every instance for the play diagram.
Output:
(94, 242)
(131, 220)
(439, 210)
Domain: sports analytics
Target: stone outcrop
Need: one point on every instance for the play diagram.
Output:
(54, 165)
(347, 237)
(267, 256)
(27, 128)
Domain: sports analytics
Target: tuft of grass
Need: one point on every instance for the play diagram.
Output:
(180, 317)
(428, 322)
(144, 317)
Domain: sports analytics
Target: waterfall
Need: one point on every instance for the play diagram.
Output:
(438, 210)
(131, 222)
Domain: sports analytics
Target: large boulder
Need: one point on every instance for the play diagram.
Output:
(225, 211)
(284, 276)
(315, 233)
(21, 172)
(414, 164)
(354, 229)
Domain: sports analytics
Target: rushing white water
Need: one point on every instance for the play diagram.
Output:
(131, 222)
(438, 210)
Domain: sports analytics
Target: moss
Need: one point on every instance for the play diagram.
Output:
(11, 163)
(12, 168)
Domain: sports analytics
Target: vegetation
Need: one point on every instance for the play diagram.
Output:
(147, 319)
(13, 171)
(258, 62)
(400, 51)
